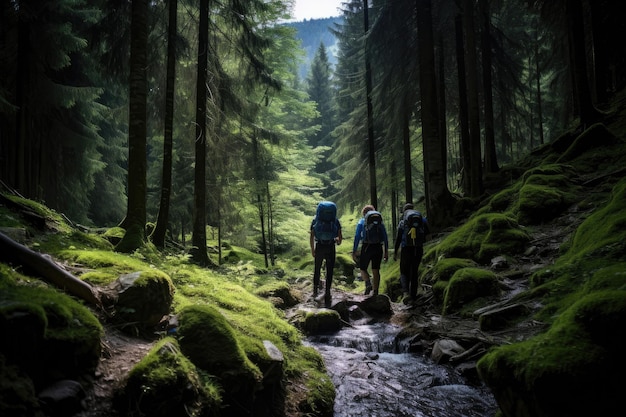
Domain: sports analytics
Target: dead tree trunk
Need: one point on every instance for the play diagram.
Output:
(36, 264)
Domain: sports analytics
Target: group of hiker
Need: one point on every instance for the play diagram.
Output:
(370, 247)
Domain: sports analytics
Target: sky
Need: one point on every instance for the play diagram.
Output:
(316, 9)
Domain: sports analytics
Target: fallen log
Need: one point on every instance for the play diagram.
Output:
(34, 263)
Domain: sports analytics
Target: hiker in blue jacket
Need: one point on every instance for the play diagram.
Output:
(325, 233)
(374, 249)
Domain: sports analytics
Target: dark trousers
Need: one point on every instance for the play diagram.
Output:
(327, 253)
(410, 259)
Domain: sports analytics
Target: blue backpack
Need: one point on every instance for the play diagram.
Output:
(413, 228)
(373, 227)
(325, 222)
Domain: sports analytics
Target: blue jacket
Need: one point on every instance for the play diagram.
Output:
(358, 235)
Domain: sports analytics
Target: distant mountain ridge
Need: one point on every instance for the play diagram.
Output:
(311, 33)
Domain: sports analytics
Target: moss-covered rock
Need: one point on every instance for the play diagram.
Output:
(546, 194)
(445, 268)
(47, 333)
(466, 285)
(143, 298)
(210, 342)
(166, 384)
(319, 321)
(575, 369)
(279, 292)
(483, 237)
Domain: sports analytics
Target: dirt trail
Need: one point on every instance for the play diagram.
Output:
(120, 353)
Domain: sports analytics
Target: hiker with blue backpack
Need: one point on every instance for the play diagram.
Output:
(325, 234)
(375, 247)
(410, 238)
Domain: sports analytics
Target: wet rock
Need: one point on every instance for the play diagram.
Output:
(377, 305)
(444, 349)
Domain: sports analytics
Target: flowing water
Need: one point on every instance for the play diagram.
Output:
(375, 376)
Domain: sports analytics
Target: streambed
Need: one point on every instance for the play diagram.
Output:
(374, 375)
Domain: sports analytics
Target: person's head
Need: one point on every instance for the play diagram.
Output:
(367, 208)
(407, 206)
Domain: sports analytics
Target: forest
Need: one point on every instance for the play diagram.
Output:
(111, 116)
(182, 130)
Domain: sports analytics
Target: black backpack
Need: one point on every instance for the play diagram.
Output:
(413, 228)
(325, 223)
(373, 227)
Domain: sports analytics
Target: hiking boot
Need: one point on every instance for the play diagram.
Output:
(368, 288)
(327, 300)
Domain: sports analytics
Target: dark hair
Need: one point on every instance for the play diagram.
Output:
(407, 206)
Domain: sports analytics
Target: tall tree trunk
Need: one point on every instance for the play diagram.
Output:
(601, 45)
(270, 223)
(262, 218)
(588, 113)
(438, 199)
(135, 221)
(370, 115)
(475, 168)
(538, 88)
(491, 159)
(198, 239)
(158, 236)
(406, 146)
(466, 160)
(441, 103)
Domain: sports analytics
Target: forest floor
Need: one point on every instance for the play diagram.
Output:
(120, 351)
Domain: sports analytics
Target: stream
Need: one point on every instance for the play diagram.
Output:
(375, 376)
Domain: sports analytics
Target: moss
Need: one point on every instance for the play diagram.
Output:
(133, 239)
(545, 372)
(231, 257)
(145, 298)
(17, 393)
(466, 285)
(277, 289)
(165, 383)
(593, 258)
(210, 342)
(504, 199)
(45, 327)
(539, 204)
(446, 267)
(480, 239)
(321, 321)
(602, 238)
(595, 136)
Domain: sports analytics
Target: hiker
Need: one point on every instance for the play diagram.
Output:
(324, 235)
(410, 237)
(375, 247)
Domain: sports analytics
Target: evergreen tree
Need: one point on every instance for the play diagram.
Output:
(158, 236)
(319, 88)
